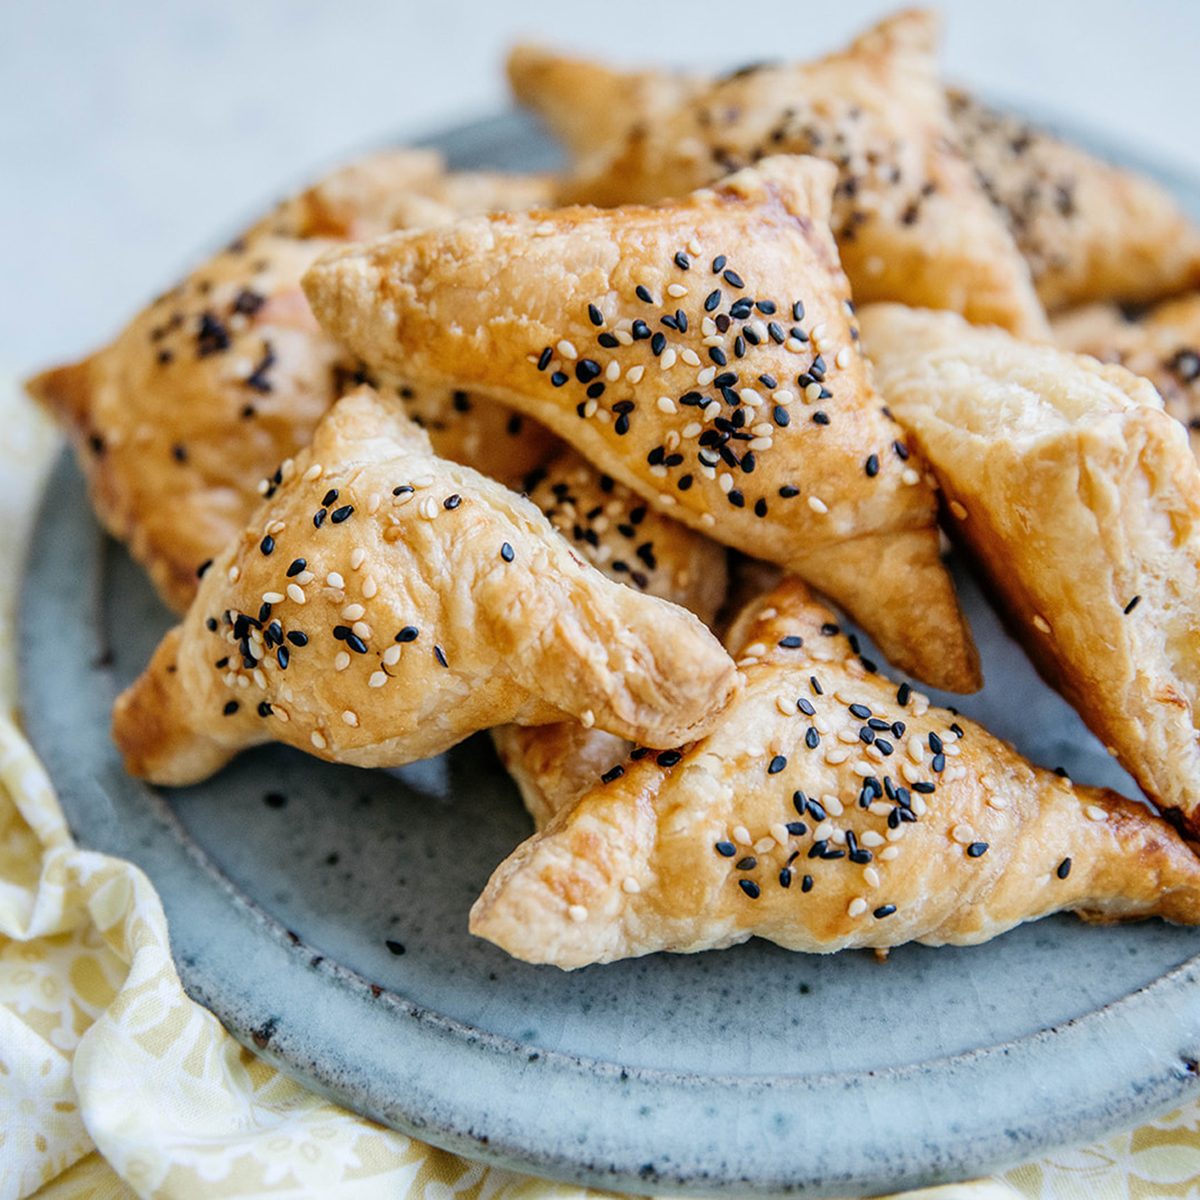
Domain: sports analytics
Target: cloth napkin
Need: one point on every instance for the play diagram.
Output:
(114, 1084)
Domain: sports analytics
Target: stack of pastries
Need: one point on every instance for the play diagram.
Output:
(590, 461)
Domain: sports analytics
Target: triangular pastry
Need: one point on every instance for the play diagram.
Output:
(1080, 499)
(617, 532)
(215, 383)
(1162, 344)
(911, 220)
(1089, 230)
(704, 353)
(827, 810)
(385, 603)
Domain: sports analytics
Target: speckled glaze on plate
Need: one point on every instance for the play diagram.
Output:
(321, 913)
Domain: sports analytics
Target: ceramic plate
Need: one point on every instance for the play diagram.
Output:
(321, 913)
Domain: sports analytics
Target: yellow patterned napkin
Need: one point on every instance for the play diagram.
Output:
(114, 1084)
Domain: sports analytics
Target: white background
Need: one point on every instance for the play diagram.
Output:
(135, 134)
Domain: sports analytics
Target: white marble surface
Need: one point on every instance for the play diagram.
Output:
(135, 133)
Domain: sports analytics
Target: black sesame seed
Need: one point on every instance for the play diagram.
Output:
(658, 343)
(861, 711)
(452, 502)
(796, 828)
(776, 765)
(820, 418)
(1132, 605)
(903, 692)
(264, 708)
(231, 706)
(356, 643)
(924, 787)
(805, 706)
(818, 848)
(791, 642)
(267, 545)
(1063, 869)
(718, 264)
(812, 739)
(717, 355)
(440, 655)
(283, 657)
(640, 330)
(595, 315)
(587, 369)
(621, 424)
(806, 884)
(297, 638)
(799, 802)
(872, 466)
(733, 279)
(340, 514)
(712, 300)
(726, 849)
(682, 261)
(608, 341)
(544, 358)
(884, 910)
(668, 758)
(938, 764)
(319, 518)
(612, 773)
(297, 565)
(202, 569)
(402, 490)
(211, 624)
(394, 947)
(815, 684)
(785, 877)
(643, 294)
(750, 888)
(746, 864)
(558, 379)
(977, 849)
(506, 552)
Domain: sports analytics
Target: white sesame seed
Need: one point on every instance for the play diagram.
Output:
(630, 886)
(313, 472)
(761, 443)
(280, 714)
(749, 396)
(358, 556)
(779, 833)
(725, 482)
(711, 411)
(842, 359)
(918, 805)
(362, 629)
(871, 838)
(335, 580)
(676, 290)
(833, 806)
(352, 612)
(351, 718)
(587, 718)
(818, 331)
(741, 835)
(317, 739)
(1040, 622)
(763, 429)
(272, 597)
(577, 913)
(377, 680)
(812, 391)
(260, 679)
(909, 477)
(403, 498)
(708, 327)
(690, 357)
(857, 907)
(634, 374)
(374, 500)
(305, 578)
(623, 336)
(296, 593)
(694, 247)
(428, 508)
(707, 520)
(835, 758)
(785, 706)
(889, 852)
(817, 504)
(963, 834)
(391, 656)
(764, 845)
(894, 835)
(1000, 803)
(659, 471)
(341, 660)
(667, 360)
(706, 376)
(795, 345)
(613, 371)
(824, 831)
(1096, 813)
(783, 396)
(871, 877)
(369, 587)
(848, 736)
(235, 573)
(958, 510)
(666, 405)
(880, 809)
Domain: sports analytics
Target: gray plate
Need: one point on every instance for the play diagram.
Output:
(748, 1070)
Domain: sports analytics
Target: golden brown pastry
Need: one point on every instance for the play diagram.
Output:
(704, 353)
(827, 810)
(911, 220)
(177, 422)
(384, 603)
(1080, 499)
(589, 106)
(1162, 344)
(1089, 230)
(620, 534)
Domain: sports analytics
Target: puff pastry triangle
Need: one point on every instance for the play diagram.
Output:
(911, 219)
(1080, 500)
(827, 810)
(385, 603)
(704, 353)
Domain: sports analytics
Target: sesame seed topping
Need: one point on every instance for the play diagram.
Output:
(296, 593)
(1096, 813)
(1063, 869)
(857, 907)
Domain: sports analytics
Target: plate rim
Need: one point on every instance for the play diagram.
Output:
(1165, 1071)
